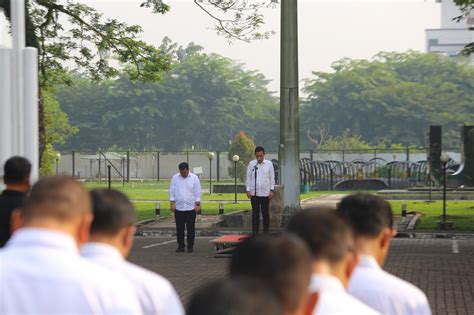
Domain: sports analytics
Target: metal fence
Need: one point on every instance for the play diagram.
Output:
(319, 170)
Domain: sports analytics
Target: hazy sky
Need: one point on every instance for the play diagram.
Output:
(328, 30)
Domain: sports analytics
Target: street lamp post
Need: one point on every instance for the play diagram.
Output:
(235, 158)
(443, 225)
(210, 156)
(58, 157)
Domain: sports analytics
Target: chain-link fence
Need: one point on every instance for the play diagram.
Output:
(157, 165)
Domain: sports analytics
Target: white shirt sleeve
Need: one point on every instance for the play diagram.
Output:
(272, 177)
(249, 176)
(197, 189)
(172, 189)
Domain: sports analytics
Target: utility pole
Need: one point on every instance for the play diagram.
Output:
(289, 107)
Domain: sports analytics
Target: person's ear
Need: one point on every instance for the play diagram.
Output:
(312, 303)
(83, 231)
(386, 238)
(352, 262)
(127, 239)
(16, 220)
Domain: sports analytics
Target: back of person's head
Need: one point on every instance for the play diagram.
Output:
(234, 296)
(57, 197)
(112, 210)
(368, 215)
(281, 262)
(17, 170)
(328, 236)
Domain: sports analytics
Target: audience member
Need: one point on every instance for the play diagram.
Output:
(283, 264)
(371, 220)
(41, 269)
(17, 180)
(330, 242)
(235, 296)
(110, 242)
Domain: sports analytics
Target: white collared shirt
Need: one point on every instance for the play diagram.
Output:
(384, 292)
(265, 178)
(333, 298)
(41, 272)
(155, 293)
(185, 191)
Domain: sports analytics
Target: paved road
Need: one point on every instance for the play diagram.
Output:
(443, 268)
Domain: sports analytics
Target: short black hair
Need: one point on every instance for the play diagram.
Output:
(367, 214)
(282, 262)
(16, 170)
(234, 296)
(57, 197)
(259, 149)
(327, 235)
(183, 166)
(112, 211)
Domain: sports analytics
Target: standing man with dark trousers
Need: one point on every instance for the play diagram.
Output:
(185, 202)
(260, 188)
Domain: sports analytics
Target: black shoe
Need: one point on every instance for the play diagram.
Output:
(180, 250)
(190, 249)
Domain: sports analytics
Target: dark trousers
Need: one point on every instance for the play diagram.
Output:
(258, 203)
(185, 218)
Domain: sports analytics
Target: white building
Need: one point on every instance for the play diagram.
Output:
(451, 38)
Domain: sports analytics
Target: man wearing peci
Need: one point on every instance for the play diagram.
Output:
(185, 202)
(260, 188)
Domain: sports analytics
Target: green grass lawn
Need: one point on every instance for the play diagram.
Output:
(459, 212)
(146, 194)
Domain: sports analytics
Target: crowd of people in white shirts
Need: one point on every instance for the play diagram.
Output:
(68, 248)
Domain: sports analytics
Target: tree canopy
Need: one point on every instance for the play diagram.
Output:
(393, 98)
(202, 101)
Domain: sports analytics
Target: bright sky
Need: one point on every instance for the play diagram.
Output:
(328, 30)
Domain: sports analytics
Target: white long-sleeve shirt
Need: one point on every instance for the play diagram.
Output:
(334, 299)
(265, 178)
(155, 293)
(185, 191)
(41, 272)
(386, 293)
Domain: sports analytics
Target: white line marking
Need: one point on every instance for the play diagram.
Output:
(158, 244)
(455, 247)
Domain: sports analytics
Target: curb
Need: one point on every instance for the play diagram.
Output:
(434, 235)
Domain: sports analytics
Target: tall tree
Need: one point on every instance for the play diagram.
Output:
(393, 97)
(86, 40)
(202, 101)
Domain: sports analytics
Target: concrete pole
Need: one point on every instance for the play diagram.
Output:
(6, 114)
(30, 111)
(18, 44)
(289, 107)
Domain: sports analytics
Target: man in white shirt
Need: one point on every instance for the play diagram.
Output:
(41, 271)
(110, 242)
(371, 220)
(331, 245)
(280, 262)
(185, 202)
(260, 188)
(234, 296)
